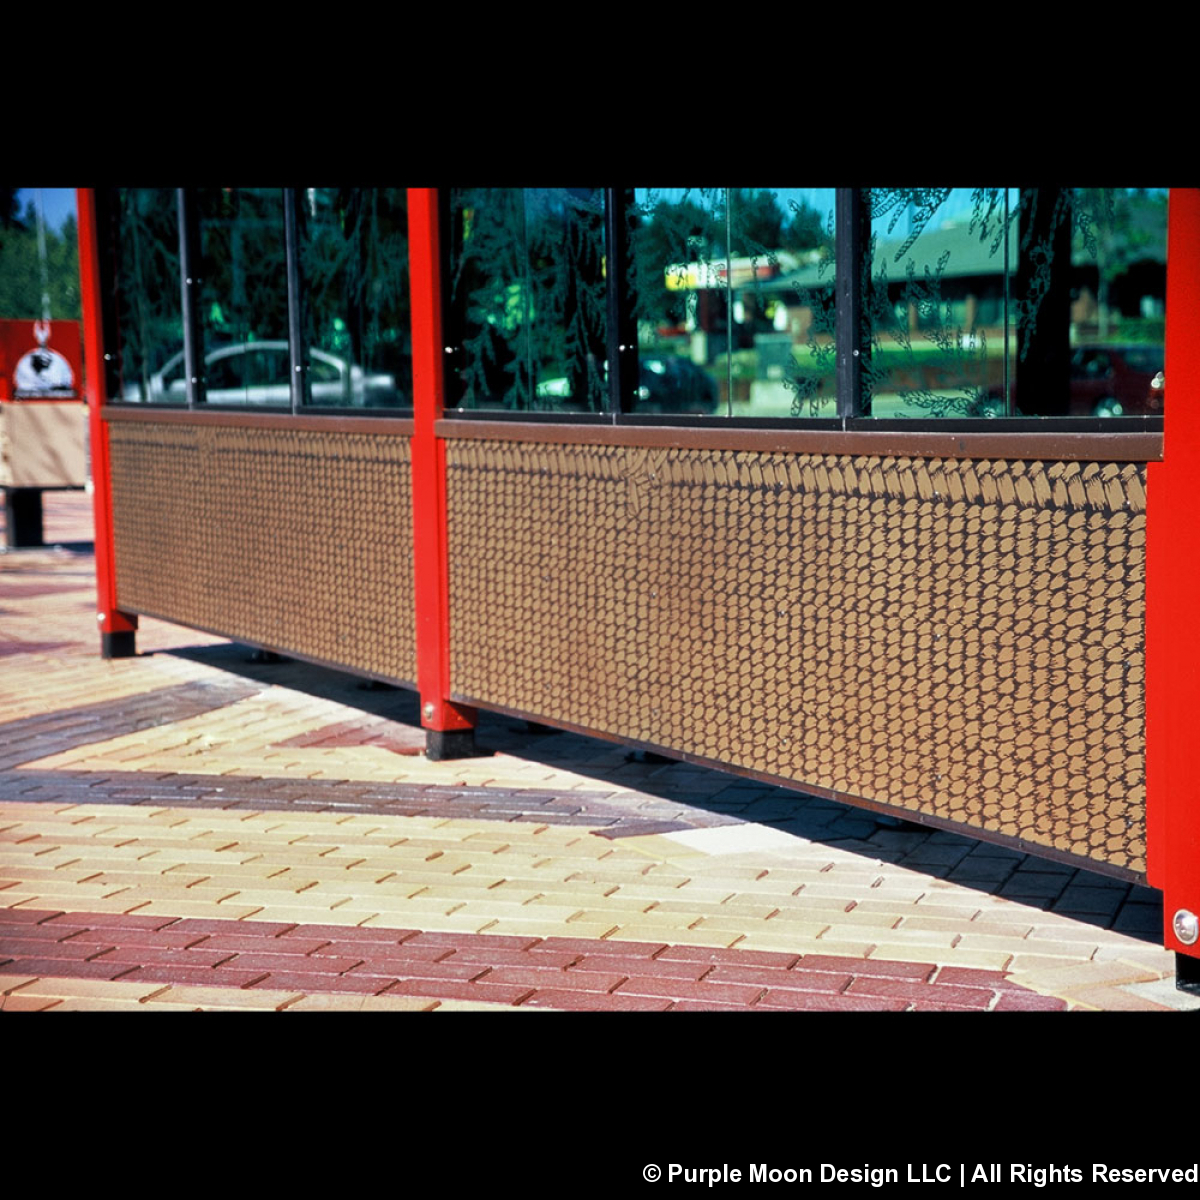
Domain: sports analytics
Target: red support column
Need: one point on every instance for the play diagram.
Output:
(117, 629)
(1172, 589)
(449, 727)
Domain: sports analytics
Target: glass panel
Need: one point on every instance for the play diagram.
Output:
(1117, 301)
(354, 263)
(243, 300)
(998, 302)
(942, 270)
(784, 309)
(527, 312)
(678, 248)
(149, 351)
(734, 300)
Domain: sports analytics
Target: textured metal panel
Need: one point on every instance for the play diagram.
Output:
(293, 539)
(962, 639)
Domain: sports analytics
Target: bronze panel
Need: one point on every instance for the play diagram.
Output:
(960, 639)
(292, 539)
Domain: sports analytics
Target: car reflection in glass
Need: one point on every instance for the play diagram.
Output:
(666, 384)
(259, 372)
(1106, 381)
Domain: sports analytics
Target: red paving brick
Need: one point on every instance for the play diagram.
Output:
(708, 954)
(30, 916)
(346, 933)
(113, 921)
(308, 981)
(823, 1002)
(485, 956)
(916, 993)
(275, 945)
(211, 976)
(162, 939)
(1027, 1001)
(586, 1002)
(868, 967)
(679, 989)
(974, 977)
(412, 968)
(807, 981)
(555, 972)
(691, 971)
(575, 981)
(42, 948)
(267, 929)
(65, 967)
(449, 990)
(316, 963)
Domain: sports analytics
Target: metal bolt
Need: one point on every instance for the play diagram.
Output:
(1187, 927)
(427, 711)
(100, 618)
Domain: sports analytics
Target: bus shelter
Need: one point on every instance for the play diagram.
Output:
(863, 491)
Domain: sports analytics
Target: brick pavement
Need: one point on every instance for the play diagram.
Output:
(192, 830)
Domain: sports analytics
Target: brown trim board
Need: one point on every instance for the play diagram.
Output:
(1050, 447)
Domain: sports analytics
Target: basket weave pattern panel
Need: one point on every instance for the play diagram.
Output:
(295, 540)
(957, 638)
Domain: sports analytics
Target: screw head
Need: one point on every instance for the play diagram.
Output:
(427, 711)
(1186, 926)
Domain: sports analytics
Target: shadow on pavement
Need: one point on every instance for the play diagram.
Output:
(703, 797)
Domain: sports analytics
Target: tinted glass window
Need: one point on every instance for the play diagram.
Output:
(527, 304)
(733, 294)
(243, 297)
(145, 246)
(994, 302)
(354, 262)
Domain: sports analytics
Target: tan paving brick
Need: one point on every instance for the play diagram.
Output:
(99, 1004)
(1113, 999)
(187, 908)
(645, 932)
(27, 1003)
(540, 928)
(73, 903)
(1017, 945)
(904, 940)
(103, 989)
(348, 1002)
(11, 983)
(1088, 975)
(1031, 966)
(218, 997)
(958, 925)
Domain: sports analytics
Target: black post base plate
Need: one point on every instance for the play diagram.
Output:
(119, 645)
(1187, 974)
(443, 744)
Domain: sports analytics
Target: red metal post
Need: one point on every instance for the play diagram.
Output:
(430, 552)
(117, 636)
(1172, 589)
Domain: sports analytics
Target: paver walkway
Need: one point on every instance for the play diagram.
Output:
(193, 830)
